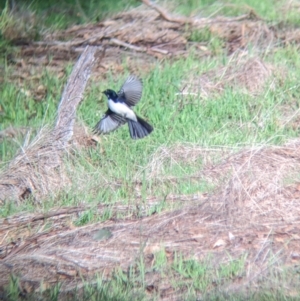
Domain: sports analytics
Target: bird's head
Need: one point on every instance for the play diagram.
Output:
(110, 94)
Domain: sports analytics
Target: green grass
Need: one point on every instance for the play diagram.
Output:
(231, 119)
(69, 12)
(213, 43)
(112, 169)
(203, 275)
(191, 279)
(121, 287)
(18, 108)
(272, 11)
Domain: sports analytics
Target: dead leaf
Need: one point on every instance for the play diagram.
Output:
(231, 236)
(219, 243)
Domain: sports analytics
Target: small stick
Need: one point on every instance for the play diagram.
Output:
(165, 15)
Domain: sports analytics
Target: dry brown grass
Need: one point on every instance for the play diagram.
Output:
(256, 185)
(37, 169)
(250, 75)
(143, 36)
(254, 207)
(13, 132)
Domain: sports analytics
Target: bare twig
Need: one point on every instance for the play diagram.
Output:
(203, 21)
(137, 48)
(127, 45)
(165, 14)
(162, 51)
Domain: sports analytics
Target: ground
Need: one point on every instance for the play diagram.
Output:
(206, 207)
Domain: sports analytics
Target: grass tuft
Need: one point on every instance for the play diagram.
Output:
(220, 96)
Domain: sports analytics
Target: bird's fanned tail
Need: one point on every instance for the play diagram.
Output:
(140, 128)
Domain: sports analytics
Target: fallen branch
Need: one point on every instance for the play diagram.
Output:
(127, 45)
(37, 170)
(72, 95)
(165, 15)
(137, 48)
(202, 21)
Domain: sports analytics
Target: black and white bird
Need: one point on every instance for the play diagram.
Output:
(120, 110)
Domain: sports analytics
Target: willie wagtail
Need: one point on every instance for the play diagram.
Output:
(120, 110)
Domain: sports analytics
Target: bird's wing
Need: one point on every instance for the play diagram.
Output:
(131, 91)
(109, 122)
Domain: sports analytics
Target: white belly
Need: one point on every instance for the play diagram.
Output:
(121, 109)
